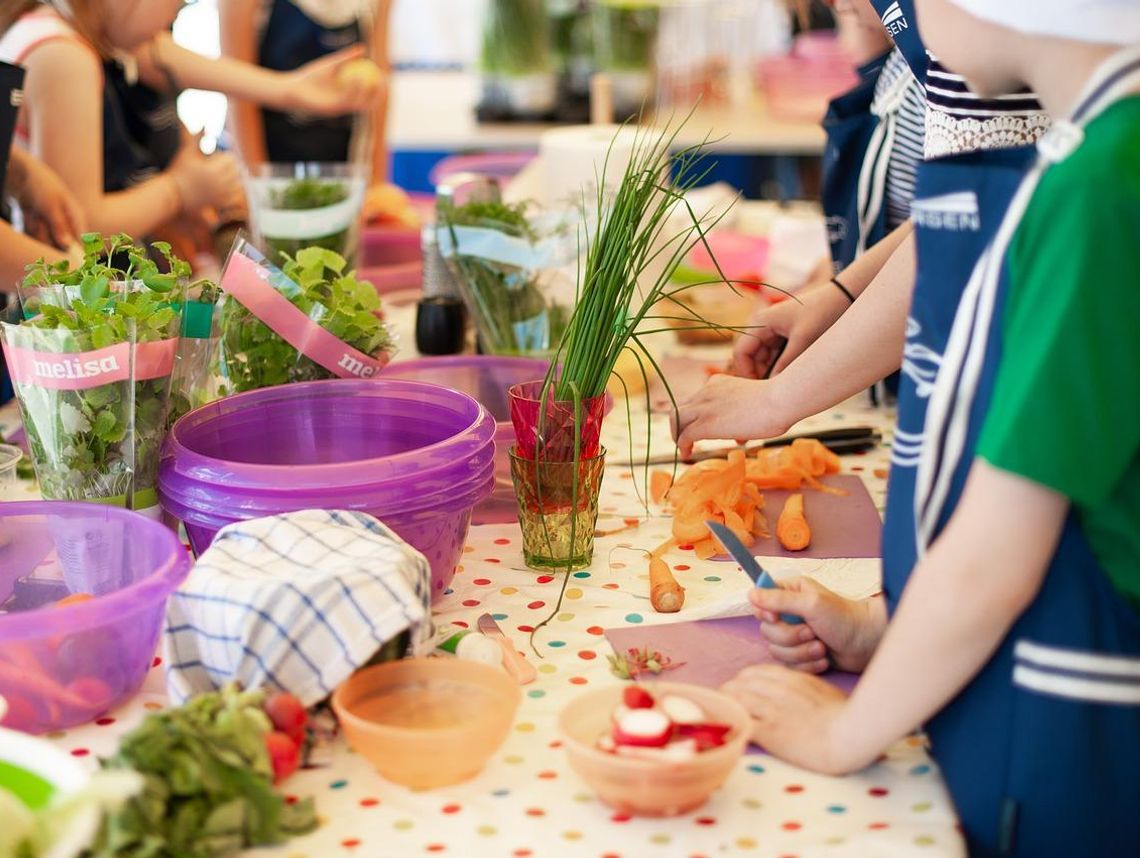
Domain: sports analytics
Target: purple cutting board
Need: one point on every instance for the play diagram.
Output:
(841, 525)
(712, 651)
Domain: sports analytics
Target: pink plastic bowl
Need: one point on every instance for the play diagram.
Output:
(65, 665)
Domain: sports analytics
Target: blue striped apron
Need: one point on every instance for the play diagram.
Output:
(1041, 751)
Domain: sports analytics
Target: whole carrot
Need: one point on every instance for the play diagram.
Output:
(665, 594)
(792, 527)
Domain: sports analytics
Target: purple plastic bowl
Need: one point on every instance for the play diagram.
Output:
(417, 456)
(63, 666)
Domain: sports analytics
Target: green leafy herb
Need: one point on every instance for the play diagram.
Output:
(516, 38)
(252, 356)
(208, 788)
(101, 442)
(303, 194)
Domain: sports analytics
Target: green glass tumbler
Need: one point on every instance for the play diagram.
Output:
(558, 509)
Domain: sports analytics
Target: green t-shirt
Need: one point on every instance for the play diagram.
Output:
(1066, 406)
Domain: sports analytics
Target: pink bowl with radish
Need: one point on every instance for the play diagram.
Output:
(654, 750)
(83, 591)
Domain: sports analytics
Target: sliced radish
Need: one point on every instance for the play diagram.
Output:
(636, 697)
(682, 710)
(643, 728)
(674, 752)
(705, 735)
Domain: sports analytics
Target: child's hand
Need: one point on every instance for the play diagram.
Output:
(785, 330)
(207, 181)
(846, 631)
(794, 717)
(51, 213)
(340, 83)
(726, 407)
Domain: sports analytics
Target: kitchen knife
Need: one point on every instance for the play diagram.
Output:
(744, 557)
(517, 666)
(851, 439)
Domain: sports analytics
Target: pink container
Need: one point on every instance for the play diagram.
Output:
(417, 456)
(65, 665)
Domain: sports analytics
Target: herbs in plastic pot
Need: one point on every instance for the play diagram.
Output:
(251, 355)
(91, 366)
(302, 195)
(208, 784)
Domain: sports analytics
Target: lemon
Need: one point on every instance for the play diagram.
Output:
(360, 72)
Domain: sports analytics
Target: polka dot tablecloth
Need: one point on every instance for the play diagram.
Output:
(527, 802)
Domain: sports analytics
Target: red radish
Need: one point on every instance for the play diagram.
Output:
(706, 735)
(284, 755)
(681, 710)
(636, 697)
(288, 715)
(644, 728)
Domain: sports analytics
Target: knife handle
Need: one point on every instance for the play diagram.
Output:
(521, 670)
(766, 581)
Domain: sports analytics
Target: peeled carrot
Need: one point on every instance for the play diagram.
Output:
(665, 594)
(659, 484)
(73, 599)
(792, 527)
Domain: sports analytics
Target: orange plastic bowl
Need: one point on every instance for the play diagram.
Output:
(427, 722)
(651, 787)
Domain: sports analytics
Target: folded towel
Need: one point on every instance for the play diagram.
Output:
(295, 602)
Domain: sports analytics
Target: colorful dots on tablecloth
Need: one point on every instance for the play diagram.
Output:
(556, 644)
(921, 807)
(512, 759)
(350, 843)
(565, 617)
(579, 680)
(369, 802)
(467, 549)
(153, 706)
(924, 840)
(544, 579)
(55, 734)
(595, 630)
(547, 775)
(157, 661)
(450, 808)
(705, 820)
(756, 769)
(470, 603)
(573, 593)
(580, 575)
(436, 847)
(486, 831)
(340, 784)
(633, 618)
(745, 843)
(499, 617)
(752, 803)
(571, 835)
(492, 560)
(403, 824)
(522, 853)
(547, 668)
(835, 841)
(460, 623)
(878, 792)
(587, 655)
(617, 565)
(610, 586)
(534, 606)
(482, 582)
(509, 591)
(685, 547)
(660, 839)
(836, 808)
(712, 578)
(583, 797)
(500, 793)
(525, 628)
(535, 811)
(878, 826)
(793, 788)
(536, 693)
(792, 825)
(620, 817)
(502, 540)
(80, 752)
(104, 722)
(923, 769)
(682, 567)
(525, 727)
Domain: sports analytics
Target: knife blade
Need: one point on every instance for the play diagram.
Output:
(518, 667)
(748, 563)
(850, 439)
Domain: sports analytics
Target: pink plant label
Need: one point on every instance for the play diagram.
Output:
(81, 370)
(248, 283)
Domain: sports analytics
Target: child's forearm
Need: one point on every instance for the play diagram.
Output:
(857, 276)
(163, 59)
(976, 580)
(864, 345)
(137, 210)
(378, 53)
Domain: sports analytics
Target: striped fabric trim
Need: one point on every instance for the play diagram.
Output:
(1076, 674)
(909, 140)
(950, 93)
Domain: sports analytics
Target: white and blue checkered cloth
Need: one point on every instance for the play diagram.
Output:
(295, 602)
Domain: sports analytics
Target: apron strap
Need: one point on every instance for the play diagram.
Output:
(873, 174)
(952, 399)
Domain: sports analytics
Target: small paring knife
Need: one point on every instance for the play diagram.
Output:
(851, 439)
(518, 667)
(744, 557)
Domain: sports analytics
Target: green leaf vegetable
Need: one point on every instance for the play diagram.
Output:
(516, 38)
(208, 784)
(511, 313)
(100, 442)
(252, 356)
(304, 194)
